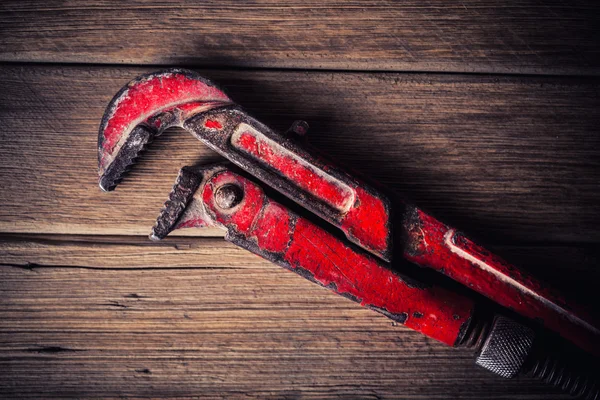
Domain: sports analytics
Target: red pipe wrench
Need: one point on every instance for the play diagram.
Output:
(343, 233)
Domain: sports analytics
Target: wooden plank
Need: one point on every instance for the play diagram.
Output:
(548, 37)
(570, 268)
(31, 251)
(508, 159)
(75, 332)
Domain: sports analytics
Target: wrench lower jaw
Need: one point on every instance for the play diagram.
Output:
(181, 210)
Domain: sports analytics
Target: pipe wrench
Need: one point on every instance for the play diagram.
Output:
(280, 199)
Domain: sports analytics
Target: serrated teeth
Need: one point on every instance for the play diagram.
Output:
(133, 147)
(185, 186)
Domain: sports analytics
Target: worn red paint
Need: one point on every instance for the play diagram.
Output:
(432, 244)
(362, 215)
(149, 95)
(213, 124)
(189, 109)
(251, 205)
(273, 228)
(368, 221)
(331, 261)
(197, 222)
(279, 235)
(308, 178)
(181, 112)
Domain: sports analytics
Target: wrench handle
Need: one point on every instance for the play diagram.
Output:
(360, 211)
(432, 244)
(259, 224)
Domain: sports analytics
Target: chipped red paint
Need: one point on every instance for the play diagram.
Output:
(212, 124)
(272, 228)
(305, 176)
(367, 221)
(432, 244)
(198, 222)
(363, 216)
(332, 262)
(276, 233)
(253, 200)
(149, 95)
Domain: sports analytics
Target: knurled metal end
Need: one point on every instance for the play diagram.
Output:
(506, 347)
(298, 128)
(183, 190)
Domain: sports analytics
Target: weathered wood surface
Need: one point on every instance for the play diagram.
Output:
(265, 332)
(90, 308)
(509, 159)
(515, 154)
(561, 265)
(531, 36)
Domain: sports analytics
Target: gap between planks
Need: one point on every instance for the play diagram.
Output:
(571, 268)
(432, 35)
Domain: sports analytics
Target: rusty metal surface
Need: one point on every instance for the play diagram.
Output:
(143, 109)
(432, 244)
(360, 211)
(218, 196)
(255, 222)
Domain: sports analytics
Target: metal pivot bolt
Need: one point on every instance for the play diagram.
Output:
(228, 196)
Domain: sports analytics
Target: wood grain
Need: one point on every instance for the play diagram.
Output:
(508, 159)
(227, 333)
(530, 36)
(31, 251)
(571, 268)
(90, 308)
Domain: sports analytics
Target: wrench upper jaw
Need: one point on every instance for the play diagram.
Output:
(136, 142)
(142, 110)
